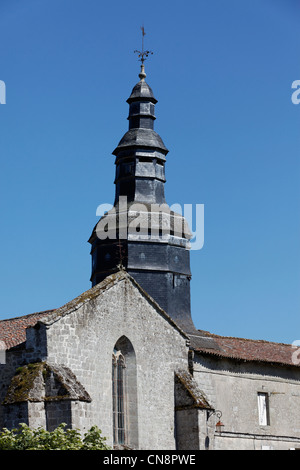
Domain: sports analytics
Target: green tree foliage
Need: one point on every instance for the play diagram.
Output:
(25, 438)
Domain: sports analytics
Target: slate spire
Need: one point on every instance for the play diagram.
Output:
(141, 153)
(159, 260)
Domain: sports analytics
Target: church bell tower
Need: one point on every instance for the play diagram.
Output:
(141, 233)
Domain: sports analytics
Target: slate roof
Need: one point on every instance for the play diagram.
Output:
(13, 330)
(250, 350)
(141, 90)
(140, 138)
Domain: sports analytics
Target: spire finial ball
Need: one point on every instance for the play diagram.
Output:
(142, 73)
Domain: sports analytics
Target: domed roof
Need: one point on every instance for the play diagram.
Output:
(141, 91)
(140, 137)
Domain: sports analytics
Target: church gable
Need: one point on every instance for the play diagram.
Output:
(115, 334)
(97, 293)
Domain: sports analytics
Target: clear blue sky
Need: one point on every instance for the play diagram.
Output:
(222, 73)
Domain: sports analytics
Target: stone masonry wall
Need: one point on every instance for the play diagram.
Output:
(83, 340)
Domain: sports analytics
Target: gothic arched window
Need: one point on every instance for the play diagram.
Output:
(119, 398)
(124, 395)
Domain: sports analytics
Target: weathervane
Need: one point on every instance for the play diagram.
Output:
(143, 54)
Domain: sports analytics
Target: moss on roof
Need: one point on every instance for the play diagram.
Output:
(41, 381)
(22, 385)
(191, 396)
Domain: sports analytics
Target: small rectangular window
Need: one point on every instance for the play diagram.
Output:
(263, 409)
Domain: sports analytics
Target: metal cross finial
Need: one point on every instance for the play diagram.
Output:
(143, 54)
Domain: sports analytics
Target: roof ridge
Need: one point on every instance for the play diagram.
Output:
(28, 315)
(245, 339)
(103, 286)
(87, 295)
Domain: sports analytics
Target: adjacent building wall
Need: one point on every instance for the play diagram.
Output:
(232, 387)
